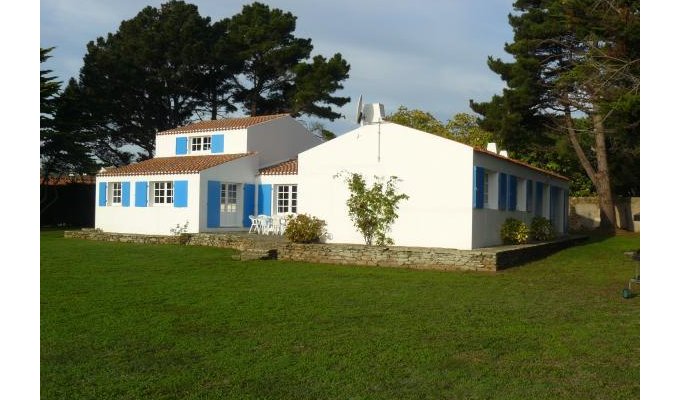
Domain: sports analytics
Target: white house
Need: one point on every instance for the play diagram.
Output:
(214, 174)
(459, 196)
(206, 174)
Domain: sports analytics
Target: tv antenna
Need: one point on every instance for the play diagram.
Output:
(360, 113)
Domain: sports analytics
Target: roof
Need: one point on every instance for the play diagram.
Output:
(289, 167)
(522, 163)
(222, 124)
(173, 165)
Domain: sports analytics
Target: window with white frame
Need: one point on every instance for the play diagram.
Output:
(116, 193)
(286, 199)
(228, 197)
(200, 143)
(163, 193)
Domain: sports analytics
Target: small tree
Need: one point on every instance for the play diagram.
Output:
(373, 210)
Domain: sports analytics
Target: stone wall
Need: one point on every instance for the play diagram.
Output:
(409, 257)
(584, 213)
(258, 247)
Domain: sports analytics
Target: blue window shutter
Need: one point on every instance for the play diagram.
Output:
(512, 192)
(530, 195)
(125, 186)
(478, 187)
(502, 191)
(214, 204)
(539, 199)
(264, 199)
(565, 212)
(554, 192)
(181, 145)
(141, 193)
(102, 194)
(248, 203)
(181, 195)
(217, 144)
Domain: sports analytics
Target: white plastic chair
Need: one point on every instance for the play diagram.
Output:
(266, 224)
(254, 224)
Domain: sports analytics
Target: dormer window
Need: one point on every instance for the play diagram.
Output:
(200, 143)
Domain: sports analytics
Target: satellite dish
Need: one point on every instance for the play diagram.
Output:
(360, 115)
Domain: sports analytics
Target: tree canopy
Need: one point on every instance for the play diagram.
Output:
(169, 65)
(574, 79)
(461, 127)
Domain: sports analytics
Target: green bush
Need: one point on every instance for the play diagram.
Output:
(542, 229)
(305, 228)
(514, 231)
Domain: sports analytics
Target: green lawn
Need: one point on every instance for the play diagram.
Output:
(128, 321)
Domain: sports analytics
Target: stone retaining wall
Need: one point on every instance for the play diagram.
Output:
(254, 247)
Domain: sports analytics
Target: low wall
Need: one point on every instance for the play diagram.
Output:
(254, 247)
(584, 213)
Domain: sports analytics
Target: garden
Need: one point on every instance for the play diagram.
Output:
(127, 321)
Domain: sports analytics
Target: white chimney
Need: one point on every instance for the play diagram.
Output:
(491, 147)
(373, 113)
(503, 153)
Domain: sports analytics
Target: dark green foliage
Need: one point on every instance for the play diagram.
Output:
(305, 228)
(514, 231)
(144, 78)
(374, 210)
(572, 60)
(542, 229)
(129, 321)
(63, 149)
(169, 65)
(274, 75)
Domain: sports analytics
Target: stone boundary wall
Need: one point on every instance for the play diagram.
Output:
(584, 213)
(258, 247)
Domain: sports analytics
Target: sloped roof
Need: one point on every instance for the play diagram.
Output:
(522, 163)
(173, 165)
(289, 167)
(222, 124)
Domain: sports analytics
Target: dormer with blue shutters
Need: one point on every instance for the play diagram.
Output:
(275, 138)
(205, 174)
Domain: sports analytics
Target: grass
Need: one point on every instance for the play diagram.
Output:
(129, 321)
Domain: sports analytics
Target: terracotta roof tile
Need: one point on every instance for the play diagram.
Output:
(222, 124)
(289, 167)
(545, 171)
(173, 165)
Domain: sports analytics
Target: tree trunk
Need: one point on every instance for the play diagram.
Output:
(600, 178)
(603, 185)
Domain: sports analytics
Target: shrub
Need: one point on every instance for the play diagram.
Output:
(514, 231)
(542, 229)
(305, 228)
(373, 210)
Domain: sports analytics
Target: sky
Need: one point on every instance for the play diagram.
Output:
(428, 55)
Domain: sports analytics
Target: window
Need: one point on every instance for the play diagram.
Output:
(228, 199)
(486, 189)
(162, 193)
(286, 199)
(201, 143)
(116, 193)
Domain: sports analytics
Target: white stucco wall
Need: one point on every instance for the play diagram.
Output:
(153, 219)
(434, 172)
(235, 142)
(487, 222)
(278, 180)
(279, 140)
(240, 171)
